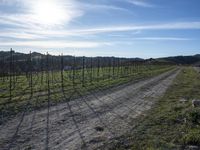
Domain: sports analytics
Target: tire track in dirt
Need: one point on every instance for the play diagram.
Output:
(91, 120)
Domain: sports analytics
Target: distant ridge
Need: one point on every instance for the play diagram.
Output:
(6, 55)
(183, 60)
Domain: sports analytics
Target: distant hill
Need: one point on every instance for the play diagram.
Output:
(39, 60)
(183, 60)
(35, 55)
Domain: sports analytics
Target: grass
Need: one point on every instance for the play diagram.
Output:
(170, 124)
(21, 98)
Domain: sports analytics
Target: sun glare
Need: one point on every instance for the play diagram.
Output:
(49, 12)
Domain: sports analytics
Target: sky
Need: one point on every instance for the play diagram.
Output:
(121, 28)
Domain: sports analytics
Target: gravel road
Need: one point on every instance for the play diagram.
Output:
(87, 122)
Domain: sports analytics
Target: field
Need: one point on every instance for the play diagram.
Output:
(34, 89)
(89, 120)
(118, 104)
(34, 96)
(99, 75)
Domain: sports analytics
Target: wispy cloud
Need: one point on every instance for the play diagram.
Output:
(164, 26)
(162, 39)
(65, 33)
(53, 44)
(20, 35)
(140, 3)
(125, 28)
(47, 14)
(89, 6)
(37, 13)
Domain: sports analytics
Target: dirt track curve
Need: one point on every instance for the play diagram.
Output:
(87, 122)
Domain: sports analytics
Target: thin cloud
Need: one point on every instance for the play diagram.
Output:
(165, 26)
(40, 33)
(125, 28)
(35, 13)
(89, 6)
(18, 21)
(31, 33)
(53, 44)
(162, 39)
(19, 35)
(140, 3)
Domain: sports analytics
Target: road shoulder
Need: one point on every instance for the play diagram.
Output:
(172, 123)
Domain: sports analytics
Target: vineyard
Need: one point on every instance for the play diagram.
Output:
(29, 85)
(33, 87)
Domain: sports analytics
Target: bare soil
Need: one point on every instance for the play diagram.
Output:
(87, 122)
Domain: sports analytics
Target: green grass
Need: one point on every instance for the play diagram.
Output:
(20, 94)
(170, 124)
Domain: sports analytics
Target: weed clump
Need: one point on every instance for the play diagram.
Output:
(192, 137)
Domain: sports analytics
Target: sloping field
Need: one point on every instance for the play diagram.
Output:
(86, 122)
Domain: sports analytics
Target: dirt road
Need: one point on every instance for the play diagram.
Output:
(197, 69)
(87, 122)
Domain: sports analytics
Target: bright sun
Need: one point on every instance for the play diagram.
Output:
(48, 12)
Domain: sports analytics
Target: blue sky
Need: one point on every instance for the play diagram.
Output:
(126, 28)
